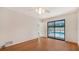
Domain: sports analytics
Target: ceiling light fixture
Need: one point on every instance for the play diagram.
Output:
(40, 10)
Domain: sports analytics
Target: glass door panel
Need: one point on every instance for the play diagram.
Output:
(51, 29)
(59, 29)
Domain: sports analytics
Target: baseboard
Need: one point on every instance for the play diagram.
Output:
(22, 42)
(18, 43)
(71, 42)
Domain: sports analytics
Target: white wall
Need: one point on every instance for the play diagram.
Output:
(70, 26)
(78, 27)
(17, 27)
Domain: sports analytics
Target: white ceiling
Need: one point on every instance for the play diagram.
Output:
(52, 11)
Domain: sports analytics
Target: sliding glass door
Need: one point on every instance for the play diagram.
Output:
(56, 29)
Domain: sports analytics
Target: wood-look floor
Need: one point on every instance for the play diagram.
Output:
(43, 44)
